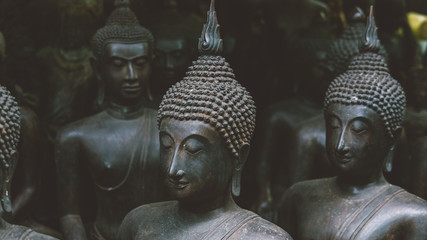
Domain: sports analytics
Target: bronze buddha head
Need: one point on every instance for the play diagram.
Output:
(9, 138)
(206, 122)
(77, 23)
(364, 110)
(175, 47)
(123, 52)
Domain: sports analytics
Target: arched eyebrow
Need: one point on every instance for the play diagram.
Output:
(145, 57)
(365, 120)
(198, 137)
(331, 115)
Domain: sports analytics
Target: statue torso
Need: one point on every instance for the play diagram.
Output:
(122, 159)
(165, 223)
(321, 211)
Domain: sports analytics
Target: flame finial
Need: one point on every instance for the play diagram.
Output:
(370, 41)
(210, 43)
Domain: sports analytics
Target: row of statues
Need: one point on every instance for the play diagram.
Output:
(132, 172)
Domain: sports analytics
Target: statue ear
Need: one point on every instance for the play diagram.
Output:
(95, 67)
(241, 160)
(388, 166)
(100, 83)
(6, 202)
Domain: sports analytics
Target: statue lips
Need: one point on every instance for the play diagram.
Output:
(131, 88)
(178, 184)
(342, 158)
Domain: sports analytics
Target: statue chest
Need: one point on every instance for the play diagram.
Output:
(340, 218)
(121, 154)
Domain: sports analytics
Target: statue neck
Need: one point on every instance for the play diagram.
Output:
(351, 186)
(125, 112)
(207, 210)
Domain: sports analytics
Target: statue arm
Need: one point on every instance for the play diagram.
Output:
(273, 125)
(68, 180)
(303, 153)
(286, 211)
(126, 228)
(28, 162)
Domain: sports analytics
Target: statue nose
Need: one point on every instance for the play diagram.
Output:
(175, 170)
(131, 72)
(176, 176)
(342, 146)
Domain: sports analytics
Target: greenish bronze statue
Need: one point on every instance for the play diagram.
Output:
(206, 122)
(175, 47)
(111, 159)
(9, 137)
(364, 110)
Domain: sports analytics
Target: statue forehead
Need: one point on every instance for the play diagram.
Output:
(127, 50)
(349, 112)
(183, 128)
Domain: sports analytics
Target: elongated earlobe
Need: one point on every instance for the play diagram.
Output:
(388, 166)
(6, 203)
(237, 176)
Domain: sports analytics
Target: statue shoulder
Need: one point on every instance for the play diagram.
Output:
(148, 210)
(400, 214)
(38, 236)
(310, 186)
(80, 128)
(411, 208)
(140, 217)
(302, 190)
(259, 228)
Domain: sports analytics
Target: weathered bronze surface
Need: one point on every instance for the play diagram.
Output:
(175, 47)
(10, 121)
(307, 155)
(114, 153)
(206, 122)
(364, 110)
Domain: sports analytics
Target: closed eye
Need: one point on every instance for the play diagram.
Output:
(194, 151)
(359, 131)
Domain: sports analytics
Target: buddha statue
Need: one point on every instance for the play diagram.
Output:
(26, 181)
(69, 80)
(278, 121)
(10, 122)
(175, 35)
(345, 48)
(205, 122)
(68, 85)
(412, 170)
(364, 110)
(111, 159)
(307, 156)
